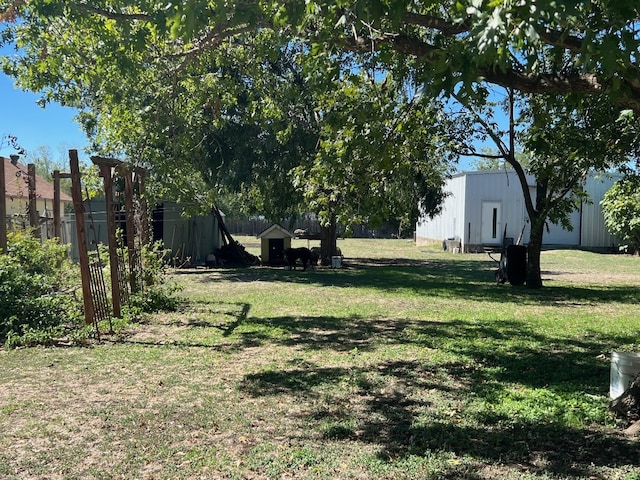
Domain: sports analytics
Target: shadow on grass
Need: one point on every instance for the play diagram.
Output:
(487, 357)
(389, 404)
(223, 316)
(209, 314)
(517, 351)
(470, 279)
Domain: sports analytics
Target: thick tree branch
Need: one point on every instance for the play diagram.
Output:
(550, 37)
(562, 40)
(524, 82)
(209, 41)
(470, 152)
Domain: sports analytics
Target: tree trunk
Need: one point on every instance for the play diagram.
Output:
(538, 220)
(627, 405)
(328, 245)
(534, 274)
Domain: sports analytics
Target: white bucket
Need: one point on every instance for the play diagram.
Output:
(336, 262)
(624, 368)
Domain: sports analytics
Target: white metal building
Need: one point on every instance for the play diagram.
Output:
(481, 204)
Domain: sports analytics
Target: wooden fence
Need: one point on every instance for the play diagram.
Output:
(253, 227)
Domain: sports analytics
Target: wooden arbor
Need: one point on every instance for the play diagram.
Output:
(136, 232)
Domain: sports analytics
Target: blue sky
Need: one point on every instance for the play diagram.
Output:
(34, 126)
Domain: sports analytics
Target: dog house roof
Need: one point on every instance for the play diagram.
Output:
(275, 231)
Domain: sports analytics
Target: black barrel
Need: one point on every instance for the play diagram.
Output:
(517, 264)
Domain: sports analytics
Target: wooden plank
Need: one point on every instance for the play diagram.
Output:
(56, 204)
(83, 252)
(34, 220)
(3, 209)
(116, 294)
(106, 162)
(57, 213)
(144, 214)
(633, 430)
(131, 229)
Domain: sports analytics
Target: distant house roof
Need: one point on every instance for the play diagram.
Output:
(16, 183)
(275, 231)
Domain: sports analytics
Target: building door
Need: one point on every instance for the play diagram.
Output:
(276, 250)
(491, 223)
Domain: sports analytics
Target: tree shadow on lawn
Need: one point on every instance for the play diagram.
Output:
(225, 317)
(505, 351)
(393, 396)
(469, 279)
(389, 419)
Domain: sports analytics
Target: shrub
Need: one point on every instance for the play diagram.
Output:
(157, 292)
(621, 211)
(36, 286)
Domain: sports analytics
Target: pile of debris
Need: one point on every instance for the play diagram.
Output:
(232, 252)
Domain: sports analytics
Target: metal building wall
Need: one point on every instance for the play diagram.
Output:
(450, 221)
(594, 233)
(500, 187)
(556, 235)
(462, 212)
(189, 238)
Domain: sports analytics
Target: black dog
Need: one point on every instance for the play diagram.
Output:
(303, 254)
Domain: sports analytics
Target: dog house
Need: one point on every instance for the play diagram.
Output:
(273, 242)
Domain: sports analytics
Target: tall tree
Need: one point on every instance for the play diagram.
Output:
(570, 144)
(559, 52)
(255, 115)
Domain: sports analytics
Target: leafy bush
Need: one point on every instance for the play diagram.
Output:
(621, 210)
(157, 292)
(36, 285)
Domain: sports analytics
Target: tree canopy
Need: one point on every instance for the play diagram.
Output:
(621, 209)
(247, 109)
(284, 93)
(590, 47)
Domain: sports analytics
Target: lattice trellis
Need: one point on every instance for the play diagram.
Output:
(125, 271)
(123, 280)
(101, 305)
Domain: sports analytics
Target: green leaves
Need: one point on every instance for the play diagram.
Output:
(621, 211)
(33, 283)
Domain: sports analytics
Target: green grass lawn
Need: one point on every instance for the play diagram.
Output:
(409, 363)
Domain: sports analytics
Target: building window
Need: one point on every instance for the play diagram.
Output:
(494, 229)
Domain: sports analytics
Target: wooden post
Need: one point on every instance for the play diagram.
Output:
(83, 252)
(105, 173)
(57, 214)
(131, 229)
(56, 204)
(34, 220)
(3, 209)
(144, 214)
